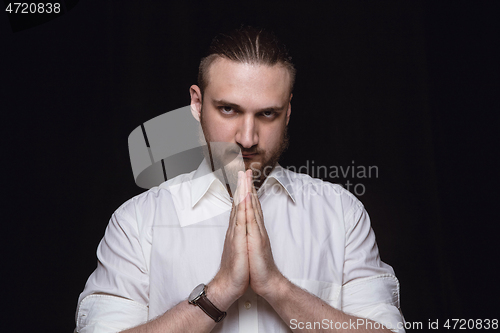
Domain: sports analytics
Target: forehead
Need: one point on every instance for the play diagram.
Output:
(245, 82)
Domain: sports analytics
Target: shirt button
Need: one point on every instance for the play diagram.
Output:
(248, 305)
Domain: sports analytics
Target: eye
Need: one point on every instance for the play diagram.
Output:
(269, 114)
(226, 109)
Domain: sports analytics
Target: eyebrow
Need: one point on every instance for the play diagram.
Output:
(236, 106)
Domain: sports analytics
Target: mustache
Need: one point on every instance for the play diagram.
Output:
(253, 150)
(248, 152)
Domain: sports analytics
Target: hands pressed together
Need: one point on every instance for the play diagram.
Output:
(247, 259)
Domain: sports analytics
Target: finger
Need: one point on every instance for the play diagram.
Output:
(249, 185)
(256, 204)
(258, 212)
(241, 188)
(256, 208)
(249, 180)
(234, 209)
(254, 223)
(252, 227)
(235, 196)
(232, 222)
(241, 221)
(255, 200)
(258, 216)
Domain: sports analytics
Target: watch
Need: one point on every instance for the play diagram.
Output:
(199, 297)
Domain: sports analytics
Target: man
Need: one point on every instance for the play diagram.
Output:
(296, 254)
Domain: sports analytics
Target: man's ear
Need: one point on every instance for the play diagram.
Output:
(196, 101)
(289, 111)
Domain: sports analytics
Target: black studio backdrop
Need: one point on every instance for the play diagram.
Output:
(409, 87)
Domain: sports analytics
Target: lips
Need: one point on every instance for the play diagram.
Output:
(249, 155)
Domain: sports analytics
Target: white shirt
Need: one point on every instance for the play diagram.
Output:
(162, 243)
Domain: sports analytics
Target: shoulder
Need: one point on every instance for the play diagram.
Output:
(140, 206)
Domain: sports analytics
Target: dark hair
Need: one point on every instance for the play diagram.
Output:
(246, 45)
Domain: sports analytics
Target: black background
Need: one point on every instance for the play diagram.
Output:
(408, 86)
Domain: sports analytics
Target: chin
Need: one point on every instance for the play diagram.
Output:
(252, 164)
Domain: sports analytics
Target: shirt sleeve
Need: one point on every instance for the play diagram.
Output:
(116, 294)
(370, 289)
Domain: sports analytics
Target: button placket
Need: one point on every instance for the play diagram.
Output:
(248, 316)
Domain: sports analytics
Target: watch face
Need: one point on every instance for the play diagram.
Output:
(196, 292)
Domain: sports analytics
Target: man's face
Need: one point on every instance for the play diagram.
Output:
(247, 105)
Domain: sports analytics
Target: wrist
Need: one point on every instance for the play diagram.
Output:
(277, 286)
(219, 296)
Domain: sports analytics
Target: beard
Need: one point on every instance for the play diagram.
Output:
(228, 158)
(262, 169)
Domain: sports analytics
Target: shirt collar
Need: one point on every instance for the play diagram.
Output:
(279, 176)
(203, 179)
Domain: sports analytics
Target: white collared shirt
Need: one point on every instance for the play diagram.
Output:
(162, 243)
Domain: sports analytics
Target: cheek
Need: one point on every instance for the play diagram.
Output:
(211, 125)
(220, 131)
(272, 140)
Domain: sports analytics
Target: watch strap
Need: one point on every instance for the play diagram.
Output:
(211, 310)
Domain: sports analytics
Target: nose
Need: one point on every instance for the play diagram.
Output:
(247, 135)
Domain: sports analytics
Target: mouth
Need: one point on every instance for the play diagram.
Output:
(247, 155)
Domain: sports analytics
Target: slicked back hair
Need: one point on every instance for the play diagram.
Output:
(246, 45)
